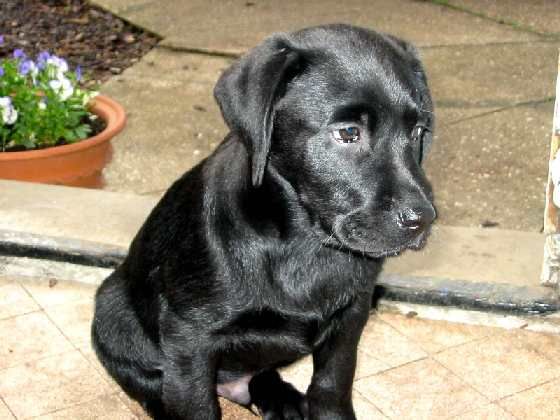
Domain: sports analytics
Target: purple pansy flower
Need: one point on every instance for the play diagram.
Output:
(78, 73)
(19, 54)
(27, 66)
(42, 58)
(1, 71)
(1, 39)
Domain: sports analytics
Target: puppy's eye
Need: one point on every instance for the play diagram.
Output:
(418, 136)
(347, 134)
(418, 132)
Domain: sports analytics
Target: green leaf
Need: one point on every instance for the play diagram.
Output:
(28, 142)
(83, 131)
(70, 136)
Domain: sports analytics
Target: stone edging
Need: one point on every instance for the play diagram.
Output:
(21, 244)
(502, 298)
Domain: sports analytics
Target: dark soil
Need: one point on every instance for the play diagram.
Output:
(97, 125)
(101, 43)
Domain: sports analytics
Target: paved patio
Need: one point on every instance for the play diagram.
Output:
(407, 369)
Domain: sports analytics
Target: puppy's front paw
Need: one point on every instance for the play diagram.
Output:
(285, 407)
(326, 413)
(285, 413)
(276, 399)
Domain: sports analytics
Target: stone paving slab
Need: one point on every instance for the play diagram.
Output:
(491, 76)
(493, 168)
(541, 16)
(487, 165)
(233, 26)
(90, 215)
(492, 255)
(173, 120)
(119, 7)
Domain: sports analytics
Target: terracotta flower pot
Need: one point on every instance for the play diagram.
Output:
(78, 164)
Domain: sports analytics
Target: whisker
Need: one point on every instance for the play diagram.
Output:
(324, 242)
(427, 111)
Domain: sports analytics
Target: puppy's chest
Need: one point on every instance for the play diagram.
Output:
(309, 293)
(301, 315)
(294, 305)
(283, 333)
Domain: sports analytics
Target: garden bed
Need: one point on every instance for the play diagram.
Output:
(101, 43)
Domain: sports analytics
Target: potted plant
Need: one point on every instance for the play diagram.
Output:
(53, 129)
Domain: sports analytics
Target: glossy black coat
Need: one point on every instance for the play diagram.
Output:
(268, 250)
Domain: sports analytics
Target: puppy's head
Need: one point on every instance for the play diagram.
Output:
(344, 115)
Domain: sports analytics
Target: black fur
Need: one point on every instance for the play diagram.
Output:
(268, 250)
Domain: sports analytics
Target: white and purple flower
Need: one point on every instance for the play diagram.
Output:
(88, 96)
(8, 114)
(62, 87)
(57, 67)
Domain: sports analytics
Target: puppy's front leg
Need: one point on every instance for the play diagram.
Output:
(329, 395)
(189, 386)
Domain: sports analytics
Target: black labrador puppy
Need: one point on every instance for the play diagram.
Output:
(269, 249)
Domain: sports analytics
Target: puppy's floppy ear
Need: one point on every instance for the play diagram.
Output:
(246, 94)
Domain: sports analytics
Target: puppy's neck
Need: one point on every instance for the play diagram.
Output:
(272, 209)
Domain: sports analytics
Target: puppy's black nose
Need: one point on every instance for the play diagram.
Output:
(417, 218)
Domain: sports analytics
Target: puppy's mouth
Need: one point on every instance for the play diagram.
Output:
(369, 249)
